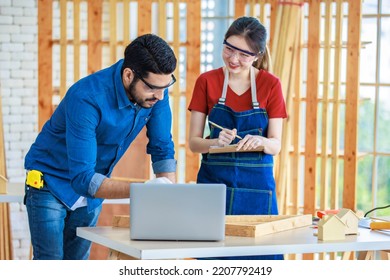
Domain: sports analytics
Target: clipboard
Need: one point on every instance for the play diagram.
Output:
(232, 149)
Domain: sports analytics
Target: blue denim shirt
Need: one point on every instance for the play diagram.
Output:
(90, 131)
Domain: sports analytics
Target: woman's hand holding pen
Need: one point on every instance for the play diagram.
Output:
(250, 142)
(226, 136)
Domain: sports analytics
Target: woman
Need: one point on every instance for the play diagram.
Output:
(247, 101)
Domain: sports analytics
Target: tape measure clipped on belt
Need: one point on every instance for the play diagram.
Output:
(34, 179)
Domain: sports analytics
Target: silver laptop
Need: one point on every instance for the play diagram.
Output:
(193, 212)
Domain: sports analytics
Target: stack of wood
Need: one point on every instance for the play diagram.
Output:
(285, 55)
(5, 230)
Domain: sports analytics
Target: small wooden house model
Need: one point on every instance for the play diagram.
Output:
(350, 219)
(331, 227)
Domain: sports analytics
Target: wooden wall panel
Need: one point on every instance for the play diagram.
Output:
(94, 43)
(311, 108)
(6, 249)
(334, 181)
(352, 104)
(193, 71)
(45, 61)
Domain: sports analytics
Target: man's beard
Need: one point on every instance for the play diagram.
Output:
(134, 98)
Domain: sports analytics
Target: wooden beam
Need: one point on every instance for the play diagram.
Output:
(193, 71)
(63, 46)
(45, 61)
(126, 23)
(239, 8)
(76, 40)
(144, 17)
(334, 180)
(312, 107)
(113, 38)
(325, 107)
(351, 105)
(295, 174)
(95, 12)
(162, 18)
(175, 94)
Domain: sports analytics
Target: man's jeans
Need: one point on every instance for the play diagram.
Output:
(53, 227)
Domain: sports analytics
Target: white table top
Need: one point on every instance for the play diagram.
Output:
(301, 240)
(15, 193)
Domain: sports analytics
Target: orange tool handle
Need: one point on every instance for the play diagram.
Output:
(380, 225)
(322, 213)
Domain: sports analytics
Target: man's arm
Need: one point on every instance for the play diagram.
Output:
(170, 175)
(113, 189)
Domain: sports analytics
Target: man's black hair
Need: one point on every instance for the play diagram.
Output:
(149, 53)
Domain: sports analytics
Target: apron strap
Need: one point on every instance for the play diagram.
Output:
(255, 104)
(222, 99)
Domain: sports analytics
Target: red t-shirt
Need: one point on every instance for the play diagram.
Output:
(208, 89)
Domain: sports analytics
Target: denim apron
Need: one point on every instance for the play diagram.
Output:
(248, 175)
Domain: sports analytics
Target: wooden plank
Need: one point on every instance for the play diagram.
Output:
(285, 166)
(351, 105)
(122, 221)
(193, 71)
(295, 176)
(162, 18)
(126, 23)
(176, 87)
(273, 22)
(252, 10)
(289, 20)
(100, 252)
(7, 232)
(334, 179)
(2, 238)
(144, 12)
(6, 252)
(312, 107)
(239, 8)
(113, 37)
(45, 67)
(63, 46)
(76, 40)
(325, 108)
(262, 15)
(95, 11)
(115, 255)
(259, 225)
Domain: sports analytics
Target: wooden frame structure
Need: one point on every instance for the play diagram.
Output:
(6, 252)
(313, 158)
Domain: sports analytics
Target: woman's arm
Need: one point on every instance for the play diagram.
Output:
(272, 143)
(197, 143)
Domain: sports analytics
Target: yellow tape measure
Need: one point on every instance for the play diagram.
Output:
(34, 179)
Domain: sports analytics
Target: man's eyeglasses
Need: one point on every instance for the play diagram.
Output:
(243, 55)
(153, 87)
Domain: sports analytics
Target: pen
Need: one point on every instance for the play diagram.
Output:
(220, 127)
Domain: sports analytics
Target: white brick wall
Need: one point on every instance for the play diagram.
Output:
(19, 89)
(18, 85)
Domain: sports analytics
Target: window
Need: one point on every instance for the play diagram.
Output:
(373, 184)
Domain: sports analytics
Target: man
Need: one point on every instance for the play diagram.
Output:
(69, 165)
